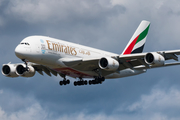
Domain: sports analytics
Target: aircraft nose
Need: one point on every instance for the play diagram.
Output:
(19, 52)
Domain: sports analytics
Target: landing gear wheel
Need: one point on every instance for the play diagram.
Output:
(97, 80)
(64, 82)
(90, 82)
(102, 79)
(60, 82)
(75, 83)
(85, 82)
(80, 82)
(68, 81)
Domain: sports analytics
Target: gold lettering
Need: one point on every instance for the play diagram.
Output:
(87, 53)
(81, 51)
(68, 49)
(56, 47)
(84, 52)
(65, 50)
(48, 43)
(73, 51)
(61, 48)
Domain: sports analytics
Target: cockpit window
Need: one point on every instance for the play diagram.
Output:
(24, 43)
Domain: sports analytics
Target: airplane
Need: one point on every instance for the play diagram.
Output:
(58, 57)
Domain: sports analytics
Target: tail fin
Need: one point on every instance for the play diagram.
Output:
(137, 42)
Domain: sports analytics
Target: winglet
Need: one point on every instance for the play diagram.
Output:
(137, 41)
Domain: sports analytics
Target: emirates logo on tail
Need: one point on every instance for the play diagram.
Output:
(137, 42)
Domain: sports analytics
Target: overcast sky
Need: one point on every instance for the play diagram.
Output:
(103, 24)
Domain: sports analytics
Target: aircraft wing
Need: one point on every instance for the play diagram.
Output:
(138, 60)
(133, 61)
(40, 68)
(168, 54)
(173, 52)
(165, 65)
(85, 64)
(126, 61)
(82, 64)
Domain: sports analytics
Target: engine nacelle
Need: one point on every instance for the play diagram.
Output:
(22, 71)
(9, 70)
(154, 59)
(108, 64)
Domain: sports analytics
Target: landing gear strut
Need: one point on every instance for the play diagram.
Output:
(64, 82)
(97, 80)
(25, 62)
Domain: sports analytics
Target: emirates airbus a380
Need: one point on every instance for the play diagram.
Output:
(53, 56)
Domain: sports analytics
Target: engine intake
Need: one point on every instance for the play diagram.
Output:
(9, 70)
(154, 59)
(108, 64)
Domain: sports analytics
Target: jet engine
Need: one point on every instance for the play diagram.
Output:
(9, 70)
(154, 59)
(24, 71)
(108, 64)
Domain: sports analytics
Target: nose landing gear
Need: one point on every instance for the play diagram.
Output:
(26, 63)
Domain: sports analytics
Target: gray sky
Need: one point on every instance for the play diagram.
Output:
(103, 24)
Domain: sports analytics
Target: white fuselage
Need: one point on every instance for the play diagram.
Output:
(50, 52)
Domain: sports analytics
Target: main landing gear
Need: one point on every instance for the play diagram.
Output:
(81, 82)
(97, 80)
(64, 82)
